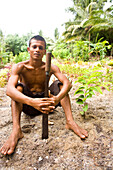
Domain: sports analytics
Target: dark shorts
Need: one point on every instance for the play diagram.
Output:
(29, 110)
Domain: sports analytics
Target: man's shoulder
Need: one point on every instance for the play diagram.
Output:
(54, 68)
(19, 66)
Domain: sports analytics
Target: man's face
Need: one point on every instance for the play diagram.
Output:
(36, 49)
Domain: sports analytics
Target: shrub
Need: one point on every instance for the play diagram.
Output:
(81, 50)
(100, 48)
(5, 58)
(21, 57)
(61, 53)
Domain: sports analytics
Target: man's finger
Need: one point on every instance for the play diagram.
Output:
(48, 108)
(48, 99)
(42, 104)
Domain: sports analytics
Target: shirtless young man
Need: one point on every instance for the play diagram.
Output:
(31, 77)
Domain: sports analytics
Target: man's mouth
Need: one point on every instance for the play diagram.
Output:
(37, 54)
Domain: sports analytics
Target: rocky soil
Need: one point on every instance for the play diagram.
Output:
(63, 150)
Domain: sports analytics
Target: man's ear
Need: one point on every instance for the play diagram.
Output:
(28, 49)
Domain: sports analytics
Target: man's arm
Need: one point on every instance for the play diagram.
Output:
(63, 79)
(11, 86)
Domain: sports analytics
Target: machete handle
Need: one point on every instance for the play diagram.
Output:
(48, 61)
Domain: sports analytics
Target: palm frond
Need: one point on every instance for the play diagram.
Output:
(81, 12)
(91, 5)
(70, 28)
(100, 27)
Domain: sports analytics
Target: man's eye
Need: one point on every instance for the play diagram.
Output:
(40, 47)
(34, 46)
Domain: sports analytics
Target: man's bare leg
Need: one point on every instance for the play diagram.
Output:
(10, 144)
(70, 124)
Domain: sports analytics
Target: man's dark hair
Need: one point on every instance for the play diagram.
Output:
(37, 37)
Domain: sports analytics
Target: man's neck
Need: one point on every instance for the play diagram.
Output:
(35, 63)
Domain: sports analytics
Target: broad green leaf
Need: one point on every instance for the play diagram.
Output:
(89, 96)
(106, 87)
(94, 88)
(91, 92)
(82, 81)
(92, 81)
(79, 92)
(82, 87)
(79, 101)
(99, 89)
(84, 99)
(85, 107)
(81, 97)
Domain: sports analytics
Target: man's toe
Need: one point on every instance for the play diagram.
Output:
(10, 151)
(82, 136)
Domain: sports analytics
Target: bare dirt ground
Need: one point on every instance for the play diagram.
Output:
(63, 150)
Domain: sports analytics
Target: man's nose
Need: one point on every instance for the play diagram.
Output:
(37, 49)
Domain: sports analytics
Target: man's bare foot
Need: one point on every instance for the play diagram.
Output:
(80, 132)
(10, 144)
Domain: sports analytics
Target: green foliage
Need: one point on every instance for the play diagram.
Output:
(81, 50)
(85, 3)
(61, 50)
(6, 57)
(41, 33)
(1, 41)
(61, 53)
(13, 43)
(71, 70)
(88, 84)
(89, 19)
(109, 76)
(90, 78)
(21, 57)
(16, 44)
(56, 34)
(100, 48)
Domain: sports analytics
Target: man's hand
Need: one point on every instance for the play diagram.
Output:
(44, 105)
(54, 98)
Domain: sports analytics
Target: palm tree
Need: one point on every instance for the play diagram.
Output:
(101, 22)
(88, 20)
(75, 28)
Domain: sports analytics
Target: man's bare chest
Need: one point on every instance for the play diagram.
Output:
(34, 76)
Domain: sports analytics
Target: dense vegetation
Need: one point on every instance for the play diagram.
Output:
(87, 34)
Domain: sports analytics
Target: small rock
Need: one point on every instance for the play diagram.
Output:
(46, 157)
(40, 159)
(18, 151)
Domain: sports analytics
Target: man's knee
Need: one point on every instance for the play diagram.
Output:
(60, 86)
